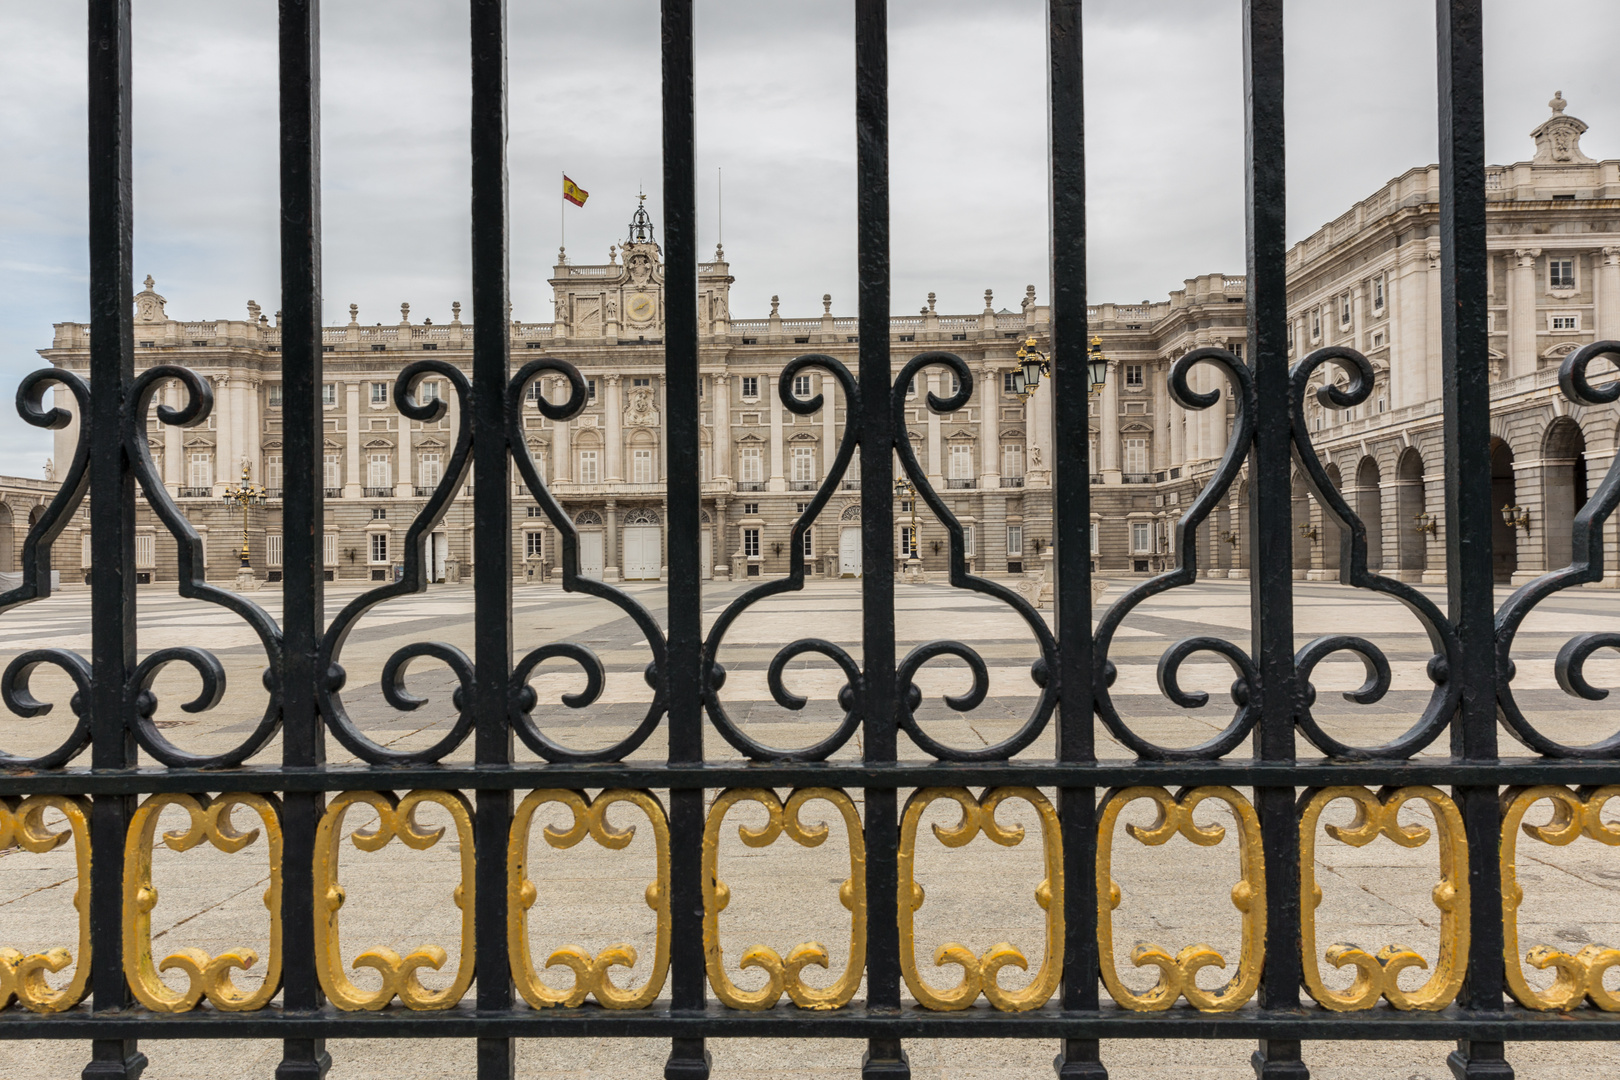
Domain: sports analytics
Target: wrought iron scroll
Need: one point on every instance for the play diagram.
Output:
(36, 571)
(782, 976)
(1044, 666)
(413, 579)
(1378, 814)
(849, 695)
(521, 698)
(591, 973)
(1586, 565)
(1244, 688)
(1353, 572)
(209, 819)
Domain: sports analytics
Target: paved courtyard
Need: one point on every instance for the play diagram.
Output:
(782, 895)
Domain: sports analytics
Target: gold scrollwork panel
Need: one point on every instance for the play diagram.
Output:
(396, 817)
(1579, 975)
(979, 972)
(590, 972)
(210, 819)
(1376, 976)
(22, 824)
(784, 976)
(1178, 974)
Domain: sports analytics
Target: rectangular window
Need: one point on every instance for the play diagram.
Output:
(1378, 292)
(1136, 456)
(750, 386)
(961, 461)
(146, 557)
(1141, 537)
(1344, 310)
(1015, 540)
(590, 389)
(329, 394)
(272, 549)
(1316, 325)
(379, 513)
(1096, 540)
(750, 509)
(804, 464)
(1007, 386)
(808, 546)
(801, 387)
(272, 472)
(703, 463)
(749, 466)
(1134, 375)
(379, 547)
(640, 382)
(967, 541)
(202, 470)
(329, 542)
(751, 543)
(429, 470)
(432, 391)
(274, 392)
(587, 467)
(84, 549)
(1378, 340)
(380, 471)
(908, 542)
(1237, 349)
(534, 544)
(1566, 322)
(332, 472)
(911, 387)
(1012, 459)
(641, 464)
(379, 393)
(533, 391)
(1561, 273)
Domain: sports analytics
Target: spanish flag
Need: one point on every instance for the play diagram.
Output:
(573, 192)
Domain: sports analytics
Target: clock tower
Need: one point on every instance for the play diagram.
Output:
(623, 300)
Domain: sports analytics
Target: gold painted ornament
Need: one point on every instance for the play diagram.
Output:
(22, 824)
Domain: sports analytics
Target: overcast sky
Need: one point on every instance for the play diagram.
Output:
(775, 112)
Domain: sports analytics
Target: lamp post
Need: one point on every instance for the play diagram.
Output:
(1516, 517)
(242, 497)
(913, 573)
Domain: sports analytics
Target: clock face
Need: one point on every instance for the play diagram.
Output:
(640, 308)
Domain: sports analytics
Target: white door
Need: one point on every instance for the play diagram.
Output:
(849, 552)
(590, 555)
(706, 554)
(643, 548)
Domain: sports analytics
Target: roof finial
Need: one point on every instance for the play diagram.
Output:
(1557, 104)
(149, 281)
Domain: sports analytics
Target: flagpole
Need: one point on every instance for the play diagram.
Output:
(720, 207)
(562, 223)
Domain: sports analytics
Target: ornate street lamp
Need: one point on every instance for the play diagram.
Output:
(904, 491)
(241, 497)
(1426, 522)
(1032, 364)
(1516, 517)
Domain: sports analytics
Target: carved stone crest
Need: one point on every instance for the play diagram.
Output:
(639, 412)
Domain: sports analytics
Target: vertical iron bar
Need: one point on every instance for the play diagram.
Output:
(1080, 1059)
(688, 1058)
(1469, 579)
(112, 512)
(303, 743)
(884, 1057)
(1271, 594)
(492, 539)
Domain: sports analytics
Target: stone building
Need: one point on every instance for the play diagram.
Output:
(1370, 280)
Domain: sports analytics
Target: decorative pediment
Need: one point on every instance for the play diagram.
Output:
(750, 438)
(199, 442)
(852, 512)
(1561, 350)
(803, 437)
(379, 444)
(273, 445)
(430, 443)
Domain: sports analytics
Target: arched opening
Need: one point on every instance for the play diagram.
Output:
(1504, 537)
(1563, 487)
(7, 541)
(1369, 507)
(1330, 531)
(1301, 519)
(1412, 544)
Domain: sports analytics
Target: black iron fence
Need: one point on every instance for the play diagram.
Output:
(1478, 800)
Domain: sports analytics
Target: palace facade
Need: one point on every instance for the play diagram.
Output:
(1369, 280)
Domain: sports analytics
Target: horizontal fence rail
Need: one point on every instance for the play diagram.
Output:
(97, 795)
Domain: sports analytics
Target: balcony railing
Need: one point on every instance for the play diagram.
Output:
(332, 493)
(425, 491)
(803, 485)
(752, 485)
(960, 483)
(196, 492)
(1012, 481)
(1137, 478)
(272, 493)
(379, 492)
(851, 484)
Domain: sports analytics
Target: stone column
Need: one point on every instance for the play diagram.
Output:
(717, 550)
(1410, 316)
(610, 556)
(1108, 433)
(1522, 312)
(989, 430)
(1161, 421)
(353, 479)
(174, 444)
(613, 419)
(829, 424)
(1040, 475)
(778, 479)
(720, 467)
(932, 461)
(1178, 431)
(562, 451)
(229, 445)
(1607, 263)
(253, 430)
